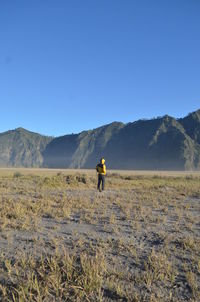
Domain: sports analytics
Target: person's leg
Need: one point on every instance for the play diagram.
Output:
(103, 182)
(99, 182)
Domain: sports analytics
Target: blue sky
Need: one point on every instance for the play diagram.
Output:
(73, 65)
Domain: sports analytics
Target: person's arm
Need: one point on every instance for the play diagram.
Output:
(104, 169)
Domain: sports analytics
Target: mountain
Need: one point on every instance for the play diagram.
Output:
(191, 125)
(20, 147)
(163, 143)
(80, 150)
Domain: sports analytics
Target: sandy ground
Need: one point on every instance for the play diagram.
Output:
(128, 242)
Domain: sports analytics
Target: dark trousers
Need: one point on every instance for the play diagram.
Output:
(101, 179)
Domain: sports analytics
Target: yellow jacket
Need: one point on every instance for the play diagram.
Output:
(101, 167)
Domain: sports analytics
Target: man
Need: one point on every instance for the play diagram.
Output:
(101, 169)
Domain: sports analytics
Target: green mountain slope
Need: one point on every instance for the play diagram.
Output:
(163, 143)
(79, 150)
(153, 144)
(191, 124)
(20, 147)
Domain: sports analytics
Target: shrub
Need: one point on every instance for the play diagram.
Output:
(17, 175)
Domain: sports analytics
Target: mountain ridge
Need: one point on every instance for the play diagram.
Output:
(162, 143)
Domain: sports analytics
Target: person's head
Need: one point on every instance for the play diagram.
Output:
(102, 161)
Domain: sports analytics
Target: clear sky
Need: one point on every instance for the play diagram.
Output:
(73, 65)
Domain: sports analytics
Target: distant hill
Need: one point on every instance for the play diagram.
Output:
(22, 148)
(163, 143)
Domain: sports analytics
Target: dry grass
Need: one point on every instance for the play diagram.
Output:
(61, 240)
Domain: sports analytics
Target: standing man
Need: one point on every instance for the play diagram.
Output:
(101, 169)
